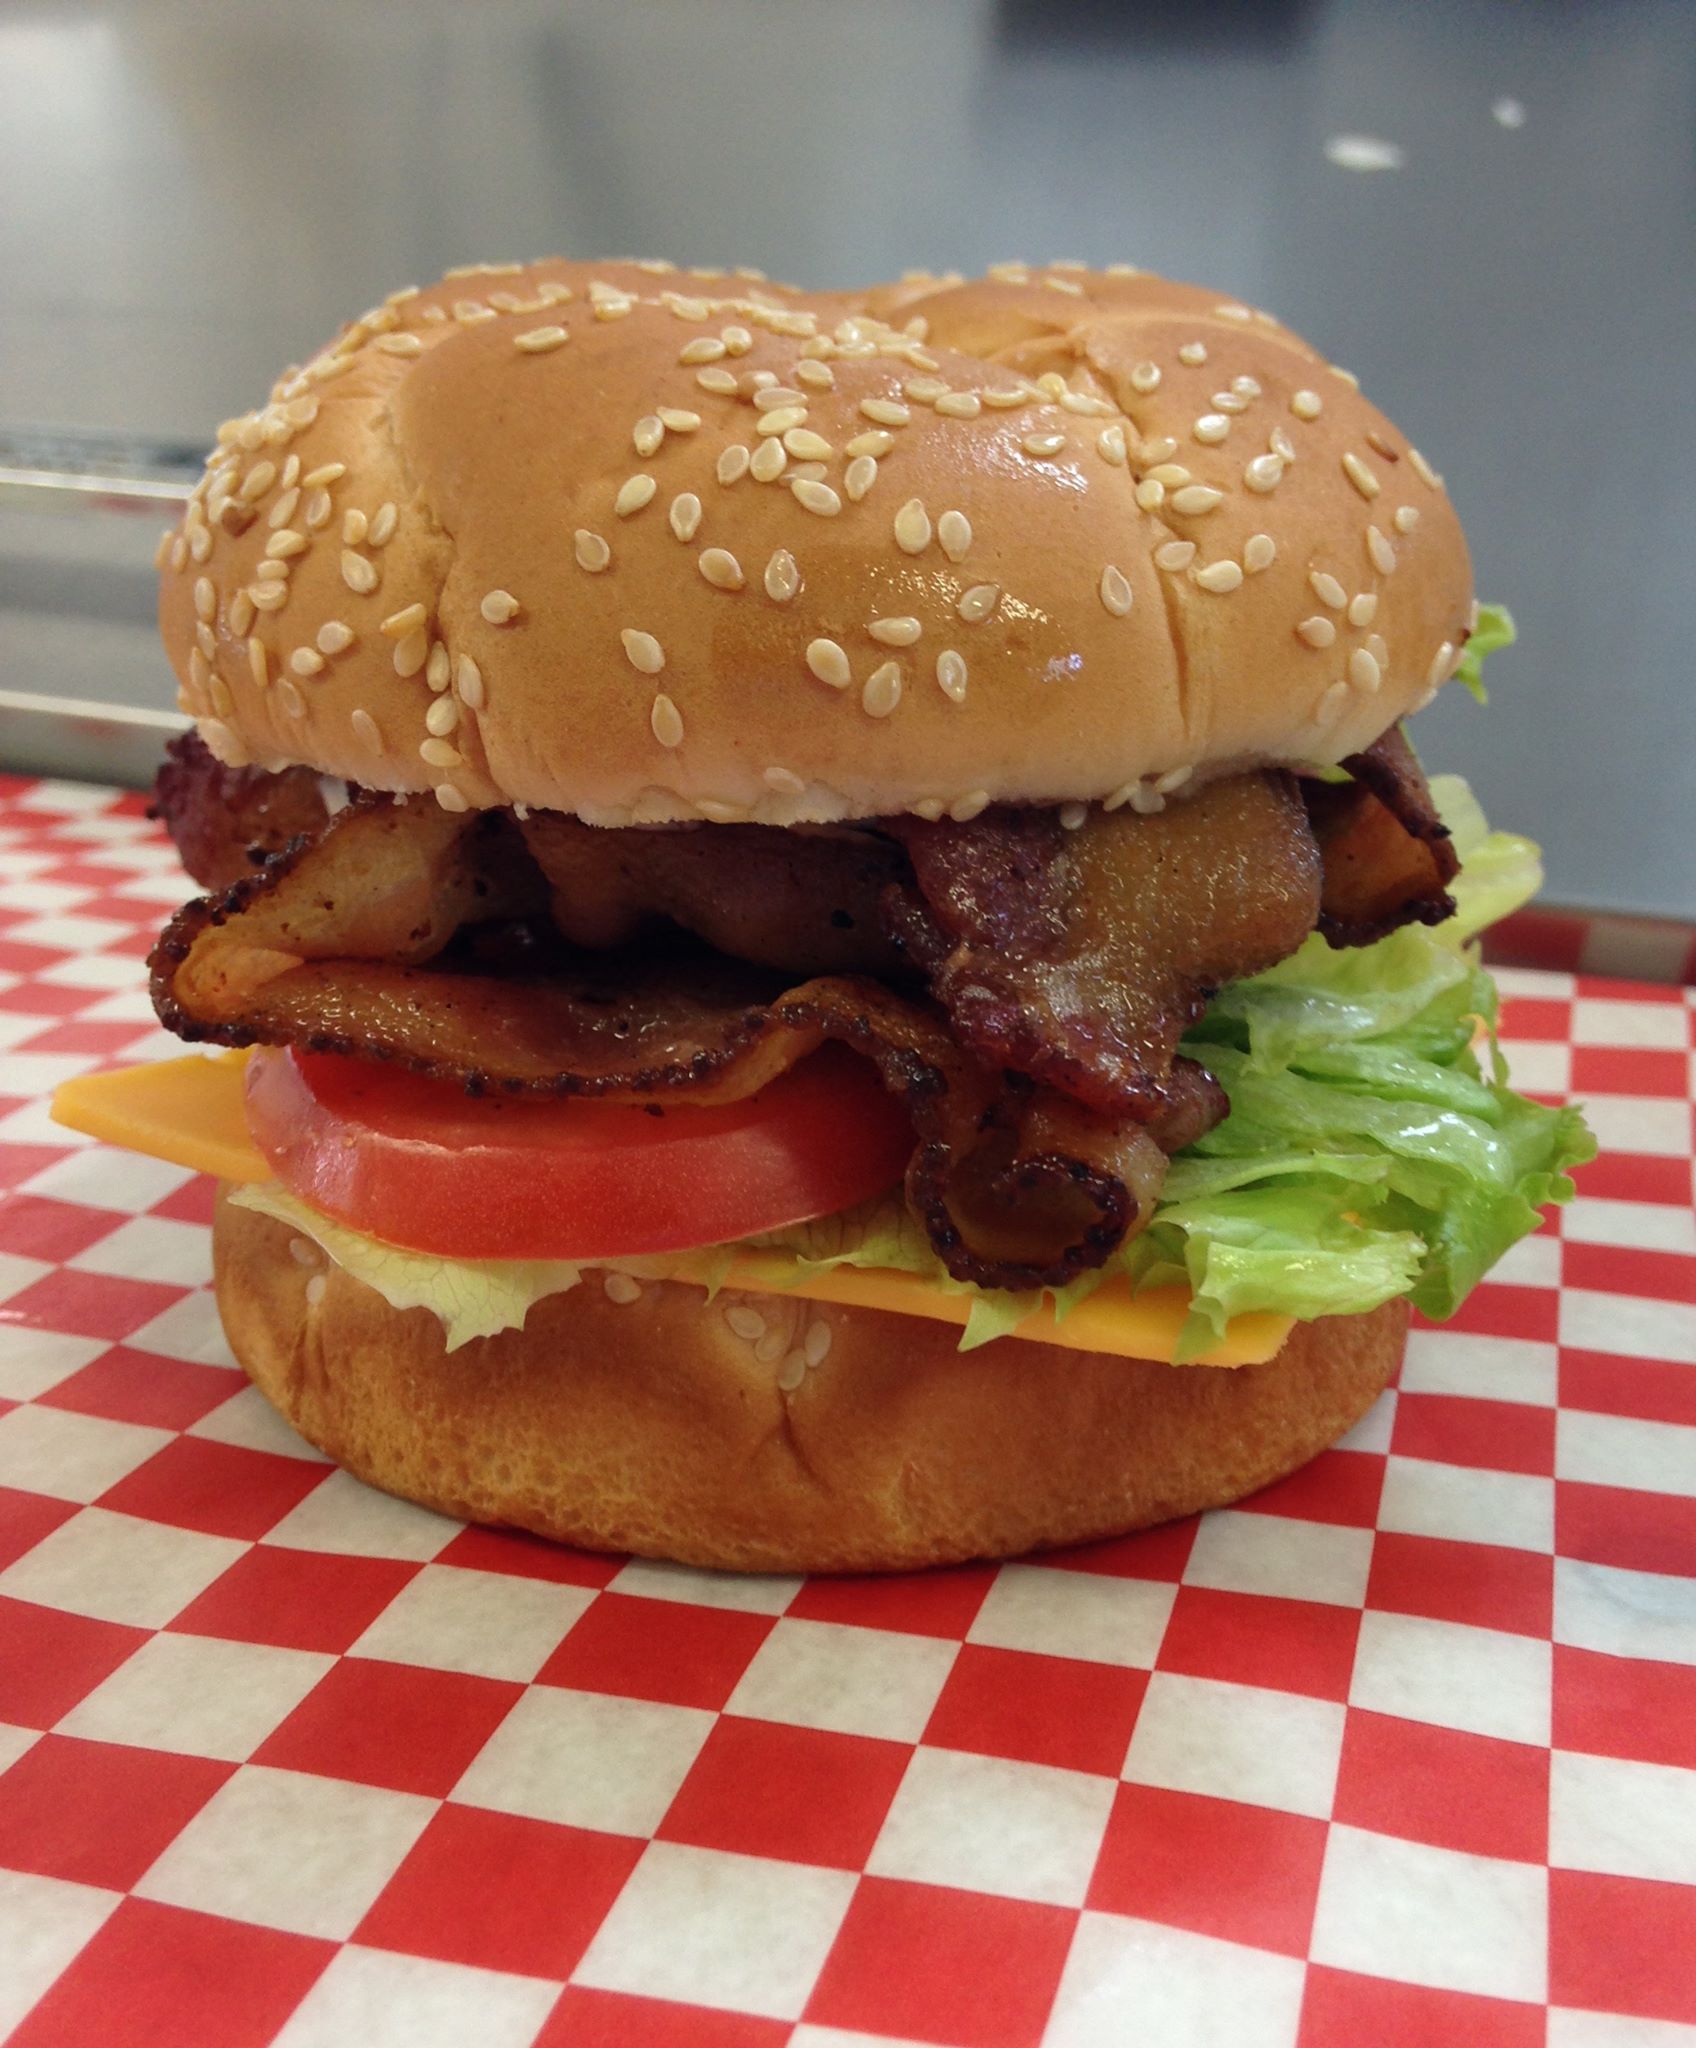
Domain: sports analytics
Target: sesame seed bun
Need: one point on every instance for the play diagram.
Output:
(671, 1426)
(519, 538)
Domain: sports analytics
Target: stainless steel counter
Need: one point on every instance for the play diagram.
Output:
(193, 194)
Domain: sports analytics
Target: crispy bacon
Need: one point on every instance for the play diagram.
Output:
(349, 945)
(1080, 958)
(223, 821)
(1386, 851)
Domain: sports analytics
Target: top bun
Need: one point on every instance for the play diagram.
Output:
(643, 545)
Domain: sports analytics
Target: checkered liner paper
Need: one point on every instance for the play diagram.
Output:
(1400, 1752)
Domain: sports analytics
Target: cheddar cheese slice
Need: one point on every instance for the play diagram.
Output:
(190, 1112)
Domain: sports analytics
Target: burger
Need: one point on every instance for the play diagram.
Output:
(830, 953)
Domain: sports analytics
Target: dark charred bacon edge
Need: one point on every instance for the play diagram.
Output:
(222, 820)
(1387, 853)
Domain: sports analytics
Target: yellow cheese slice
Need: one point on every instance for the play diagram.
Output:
(190, 1112)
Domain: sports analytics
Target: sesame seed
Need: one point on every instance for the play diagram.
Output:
(1247, 387)
(678, 420)
(1332, 702)
(288, 695)
(705, 348)
(205, 597)
(633, 494)
(965, 808)
(859, 477)
(1174, 554)
(1193, 353)
(411, 654)
(1212, 427)
(442, 716)
(1259, 552)
(468, 682)
(1280, 444)
(648, 433)
(269, 597)
(591, 550)
(1378, 547)
(208, 640)
(318, 509)
(951, 675)
(359, 573)
(439, 668)
(1264, 473)
(1115, 590)
(1362, 608)
(930, 808)
(258, 663)
(398, 624)
(241, 610)
(874, 444)
(644, 651)
(1174, 778)
(1407, 518)
(1194, 499)
(666, 721)
(257, 482)
(816, 497)
(400, 344)
(1364, 671)
(354, 527)
(720, 568)
(720, 381)
(1073, 814)
(769, 461)
(1220, 576)
(439, 754)
(273, 571)
(1086, 404)
(815, 375)
(537, 341)
(925, 390)
(1145, 377)
(808, 446)
(1359, 475)
(782, 577)
(1438, 672)
(1306, 405)
(885, 412)
(383, 525)
(780, 419)
(1230, 401)
(912, 527)
(179, 551)
(283, 510)
(1043, 444)
(1376, 440)
(1173, 473)
(1151, 494)
(882, 691)
(1423, 469)
(1328, 590)
(977, 603)
(1110, 444)
(281, 545)
(1316, 631)
(365, 729)
(612, 308)
(959, 405)
(1161, 449)
(306, 661)
(901, 632)
(1233, 312)
(784, 780)
(732, 464)
(499, 607)
(326, 473)
(738, 340)
(1378, 651)
(450, 798)
(829, 663)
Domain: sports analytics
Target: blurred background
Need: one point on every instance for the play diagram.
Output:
(1483, 207)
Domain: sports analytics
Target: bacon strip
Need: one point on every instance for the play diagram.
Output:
(1386, 851)
(349, 946)
(1080, 958)
(223, 821)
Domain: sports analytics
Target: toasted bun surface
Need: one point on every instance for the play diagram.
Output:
(653, 1426)
(535, 535)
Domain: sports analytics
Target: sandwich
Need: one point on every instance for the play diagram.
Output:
(824, 946)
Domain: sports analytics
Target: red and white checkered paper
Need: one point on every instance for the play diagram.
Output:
(1402, 1751)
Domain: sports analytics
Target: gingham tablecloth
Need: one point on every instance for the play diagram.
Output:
(1401, 1752)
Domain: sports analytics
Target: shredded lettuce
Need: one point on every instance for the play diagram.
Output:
(1492, 629)
(1370, 1152)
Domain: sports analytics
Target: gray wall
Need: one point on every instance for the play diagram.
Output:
(191, 194)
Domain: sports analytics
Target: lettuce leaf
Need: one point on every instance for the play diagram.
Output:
(1370, 1151)
(1493, 628)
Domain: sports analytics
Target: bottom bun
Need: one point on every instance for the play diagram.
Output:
(666, 1425)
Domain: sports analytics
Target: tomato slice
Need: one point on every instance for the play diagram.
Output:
(421, 1164)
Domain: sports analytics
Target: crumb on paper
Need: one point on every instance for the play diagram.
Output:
(1364, 153)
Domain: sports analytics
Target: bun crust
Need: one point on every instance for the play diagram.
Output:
(652, 1426)
(1052, 534)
